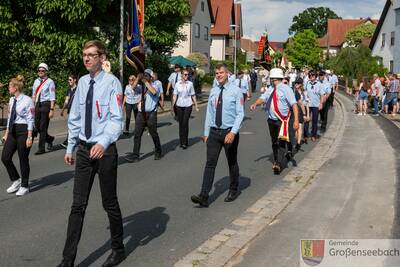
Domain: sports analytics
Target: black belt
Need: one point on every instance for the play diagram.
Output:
(89, 145)
(221, 130)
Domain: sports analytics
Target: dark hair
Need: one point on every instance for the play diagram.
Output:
(74, 76)
(177, 66)
(220, 66)
(101, 48)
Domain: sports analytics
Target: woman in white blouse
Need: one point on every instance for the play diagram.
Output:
(184, 97)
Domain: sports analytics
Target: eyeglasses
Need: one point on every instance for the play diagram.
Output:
(70, 80)
(185, 74)
(41, 70)
(131, 80)
(90, 56)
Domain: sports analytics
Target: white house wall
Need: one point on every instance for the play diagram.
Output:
(218, 47)
(183, 48)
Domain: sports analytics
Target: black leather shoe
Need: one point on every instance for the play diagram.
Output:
(50, 144)
(289, 155)
(201, 200)
(157, 156)
(132, 158)
(65, 263)
(114, 259)
(232, 195)
(40, 152)
(184, 146)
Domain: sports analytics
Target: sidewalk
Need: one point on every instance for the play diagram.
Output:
(351, 196)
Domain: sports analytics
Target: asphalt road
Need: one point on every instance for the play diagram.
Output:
(161, 224)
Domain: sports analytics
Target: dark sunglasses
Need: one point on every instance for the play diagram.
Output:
(41, 70)
(185, 74)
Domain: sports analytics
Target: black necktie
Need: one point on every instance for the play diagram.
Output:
(88, 112)
(218, 115)
(176, 78)
(240, 83)
(13, 115)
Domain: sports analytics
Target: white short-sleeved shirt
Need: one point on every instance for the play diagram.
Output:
(184, 91)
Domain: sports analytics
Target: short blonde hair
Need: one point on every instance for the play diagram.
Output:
(101, 48)
(18, 82)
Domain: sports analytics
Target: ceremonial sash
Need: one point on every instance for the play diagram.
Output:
(284, 130)
(39, 90)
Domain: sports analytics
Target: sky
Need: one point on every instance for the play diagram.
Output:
(277, 15)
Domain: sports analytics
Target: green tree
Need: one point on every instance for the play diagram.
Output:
(314, 18)
(357, 34)
(303, 50)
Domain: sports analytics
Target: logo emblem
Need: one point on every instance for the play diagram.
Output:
(312, 251)
(119, 99)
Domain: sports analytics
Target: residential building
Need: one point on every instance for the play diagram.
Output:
(386, 40)
(250, 48)
(335, 38)
(197, 30)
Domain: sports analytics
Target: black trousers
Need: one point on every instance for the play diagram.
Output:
(183, 119)
(314, 123)
(16, 141)
(331, 99)
(42, 121)
(215, 143)
(128, 109)
(144, 119)
(279, 146)
(253, 86)
(324, 115)
(85, 171)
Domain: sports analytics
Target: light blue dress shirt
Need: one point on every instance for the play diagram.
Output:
(131, 96)
(314, 92)
(326, 87)
(232, 108)
(151, 100)
(244, 85)
(184, 91)
(333, 79)
(107, 111)
(25, 111)
(158, 85)
(286, 99)
(172, 78)
(47, 92)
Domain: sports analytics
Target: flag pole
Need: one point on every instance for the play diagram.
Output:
(121, 45)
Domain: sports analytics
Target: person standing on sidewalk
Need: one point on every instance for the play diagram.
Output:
(131, 100)
(147, 116)
(316, 99)
(376, 88)
(44, 97)
(18, 136)
(94, 124)
(221, 130)
(69, 97)
(327, 90)
(184, 97)
(391, 95)
(363, 97)
(279, 102)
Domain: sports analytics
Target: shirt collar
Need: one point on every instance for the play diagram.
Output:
(19, 97)
(99, 76)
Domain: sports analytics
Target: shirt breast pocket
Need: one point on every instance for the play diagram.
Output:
(102, 108)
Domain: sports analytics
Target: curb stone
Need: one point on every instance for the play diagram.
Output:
(232, 241)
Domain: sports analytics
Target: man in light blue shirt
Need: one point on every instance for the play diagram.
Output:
(223, 120)
(173, 79)
(243, 84)
(94, 125)
(44, 96)
(279, 100)
(327, 89)
(315, 94)
(147, 116)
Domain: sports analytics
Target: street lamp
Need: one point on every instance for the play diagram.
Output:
(234, 26)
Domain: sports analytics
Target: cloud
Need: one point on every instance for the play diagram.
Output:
(277, 15)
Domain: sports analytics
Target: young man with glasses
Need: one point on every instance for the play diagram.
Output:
(69, 97)
(44, 97)
(315, 94)
(94, 125)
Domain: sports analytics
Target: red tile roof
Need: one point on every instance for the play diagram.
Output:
(337, 30)
(249, 45)
(277, 46)
(223, 15)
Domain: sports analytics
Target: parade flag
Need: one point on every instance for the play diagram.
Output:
(135, 53)
(263, 50)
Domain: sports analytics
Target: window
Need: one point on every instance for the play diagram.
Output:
(197, 30)
(205, 33)
(391, 66)
(383, 39)
(397, 16)
(202, 6)
(392, 39)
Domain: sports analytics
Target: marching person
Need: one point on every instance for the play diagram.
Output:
(18, 136)
(243, 85)
(44, 97)
(253, 78)
(94, 124)
(158, 85)
(131, 100)
(69, 97)
(147, 116)
(327, 90)
(315, 95)
(221, 130)
(279, 99)
(184, 97)
(173, 79)
(302, 103)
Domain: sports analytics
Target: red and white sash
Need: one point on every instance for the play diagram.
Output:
(284, 131)
(38, 90)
